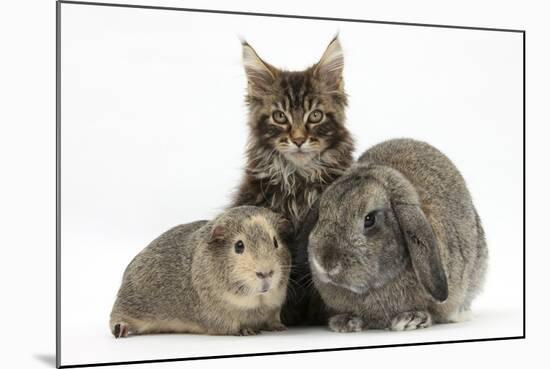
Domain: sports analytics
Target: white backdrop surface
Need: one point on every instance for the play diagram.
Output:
(153, 135)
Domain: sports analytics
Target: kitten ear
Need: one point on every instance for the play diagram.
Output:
(260, 74)
(329, 69)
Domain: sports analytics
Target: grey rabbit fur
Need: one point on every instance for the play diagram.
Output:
(398, 243)
(225, 276)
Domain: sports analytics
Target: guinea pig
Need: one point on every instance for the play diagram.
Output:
(227, 276)
(398, 243)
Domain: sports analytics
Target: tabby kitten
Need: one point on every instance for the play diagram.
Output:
(298, 144)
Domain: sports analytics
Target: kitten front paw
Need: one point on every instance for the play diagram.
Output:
(248, 332)
(345, 323)
(411, 320)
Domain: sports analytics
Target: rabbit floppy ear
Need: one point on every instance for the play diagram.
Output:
(423, 249)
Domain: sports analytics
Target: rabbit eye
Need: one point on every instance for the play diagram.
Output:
(239, 247)
(275, 243)
(370, 220)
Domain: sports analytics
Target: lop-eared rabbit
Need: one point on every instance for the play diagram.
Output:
(397, 242)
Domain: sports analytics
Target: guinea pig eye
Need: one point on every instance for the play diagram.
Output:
(279, 117)
(370, 219)
(239, 247)
(315, 116)
(275, 243)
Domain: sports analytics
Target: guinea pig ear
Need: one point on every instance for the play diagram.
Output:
(217, 235)
(423, 249)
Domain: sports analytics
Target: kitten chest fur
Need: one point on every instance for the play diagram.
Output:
(298, 142)
(275, 182)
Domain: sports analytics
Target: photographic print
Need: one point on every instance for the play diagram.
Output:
(237, 184)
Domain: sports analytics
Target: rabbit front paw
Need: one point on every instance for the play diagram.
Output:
(345, 323)
(411, 320)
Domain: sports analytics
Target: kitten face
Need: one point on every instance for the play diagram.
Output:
(298, 114)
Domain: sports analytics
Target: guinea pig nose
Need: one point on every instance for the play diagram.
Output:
(265, 285)
(263, 275)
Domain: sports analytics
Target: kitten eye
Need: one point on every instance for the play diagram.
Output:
(315, 116)
(239, 247)
(279, 117)
(275, 243)
(370, 220)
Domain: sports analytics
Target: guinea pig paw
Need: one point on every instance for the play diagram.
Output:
(275, 327)
(121, 330)
(248, 332)
(345, 323)
(411, 320)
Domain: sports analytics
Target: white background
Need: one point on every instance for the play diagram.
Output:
(29, 188)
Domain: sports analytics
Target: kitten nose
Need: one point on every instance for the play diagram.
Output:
(264, 275)
(299, 141)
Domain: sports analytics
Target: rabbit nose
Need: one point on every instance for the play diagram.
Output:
(319, 270)
(330, 262)
(335, 270)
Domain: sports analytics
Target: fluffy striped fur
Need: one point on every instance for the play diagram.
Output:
(289, 164)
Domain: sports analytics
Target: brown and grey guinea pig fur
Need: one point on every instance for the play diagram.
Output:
(398, 243)
(227, 276)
